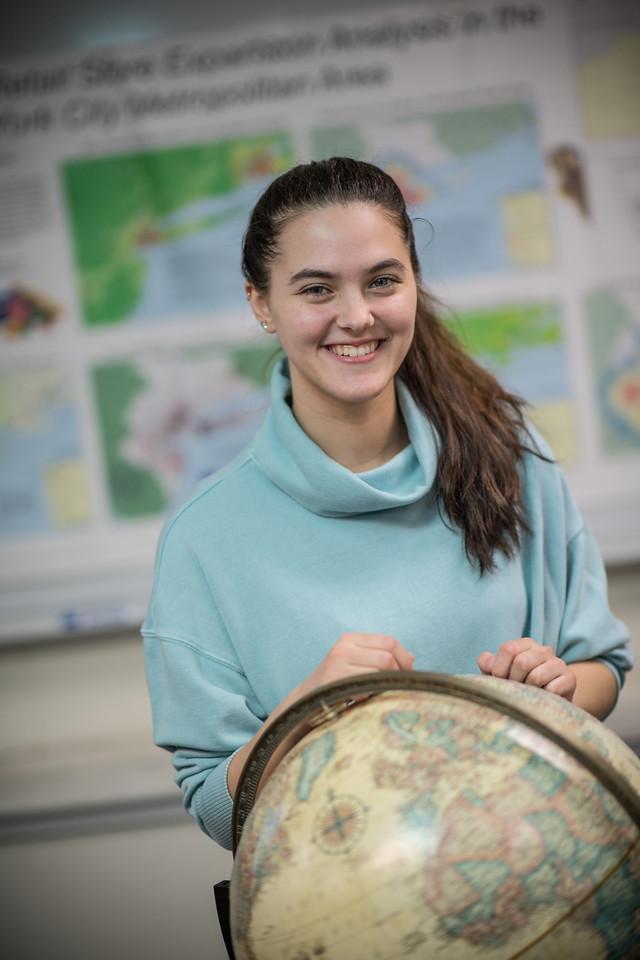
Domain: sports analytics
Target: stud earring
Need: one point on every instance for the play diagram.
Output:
(264, 324)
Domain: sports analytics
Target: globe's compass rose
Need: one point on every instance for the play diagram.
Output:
(339, 823)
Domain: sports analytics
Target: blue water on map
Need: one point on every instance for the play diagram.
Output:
(26, 454)
(198, 272)
(465, 199)
(538, 373)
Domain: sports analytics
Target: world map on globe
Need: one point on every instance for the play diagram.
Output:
(418, 824)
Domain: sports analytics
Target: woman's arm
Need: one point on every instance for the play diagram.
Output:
(596, 688)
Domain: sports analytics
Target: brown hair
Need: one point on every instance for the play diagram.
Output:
(481, 426)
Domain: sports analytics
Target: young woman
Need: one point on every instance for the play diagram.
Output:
(393, 512)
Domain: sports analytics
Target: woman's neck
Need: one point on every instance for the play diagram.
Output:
(358, 436)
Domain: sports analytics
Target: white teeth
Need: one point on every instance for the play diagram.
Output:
(347, 350)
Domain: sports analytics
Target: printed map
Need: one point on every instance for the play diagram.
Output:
(476, 175)
(524, 346)
(157, 234)
(169, 418)
(43, 482)
(613, 325)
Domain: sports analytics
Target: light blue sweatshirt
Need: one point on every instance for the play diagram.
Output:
(282, 551)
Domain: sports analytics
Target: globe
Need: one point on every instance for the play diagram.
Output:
(431, 816)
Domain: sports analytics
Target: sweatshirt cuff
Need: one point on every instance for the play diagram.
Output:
(214, 805)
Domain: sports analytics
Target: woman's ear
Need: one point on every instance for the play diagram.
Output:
(260, 308)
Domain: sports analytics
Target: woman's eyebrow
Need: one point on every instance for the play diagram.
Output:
(315, 273)
(311, 272)
(391, 264)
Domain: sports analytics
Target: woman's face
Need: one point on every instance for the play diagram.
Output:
(342, 299)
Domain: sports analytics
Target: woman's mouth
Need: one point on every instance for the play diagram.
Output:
(353, 351)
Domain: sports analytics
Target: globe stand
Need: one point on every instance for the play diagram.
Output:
(221, 894)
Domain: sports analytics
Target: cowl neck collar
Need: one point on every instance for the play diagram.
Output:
(304, 472)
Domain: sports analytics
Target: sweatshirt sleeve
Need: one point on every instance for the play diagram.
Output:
(589, 630)
(565, 576)
(203, 707)
(202, 713)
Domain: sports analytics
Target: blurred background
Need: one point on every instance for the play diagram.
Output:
(133, 143)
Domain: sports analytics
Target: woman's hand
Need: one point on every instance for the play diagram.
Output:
(529, 662)
(356, 653)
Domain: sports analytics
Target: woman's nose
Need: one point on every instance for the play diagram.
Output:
(355, 314)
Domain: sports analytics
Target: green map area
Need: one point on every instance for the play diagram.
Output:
(524, 346)
(498, 332)
(156, 232)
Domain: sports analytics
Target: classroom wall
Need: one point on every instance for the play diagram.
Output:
(97, 859)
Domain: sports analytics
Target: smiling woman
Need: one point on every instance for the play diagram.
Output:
(394, 511)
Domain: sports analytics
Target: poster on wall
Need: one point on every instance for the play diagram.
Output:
(130, 365)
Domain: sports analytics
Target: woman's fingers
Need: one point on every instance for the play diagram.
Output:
(507, 653)
(529, 662)
(563, 686)
(384, 651)
(486, 661)
(378, 659)
(526, 661)
(547, 672)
